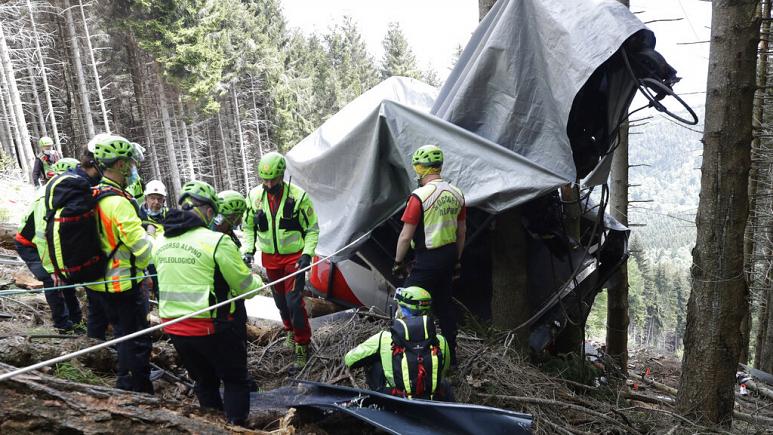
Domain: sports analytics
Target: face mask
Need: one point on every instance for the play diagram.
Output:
(274, 190)
(133, 176)
(154, 213)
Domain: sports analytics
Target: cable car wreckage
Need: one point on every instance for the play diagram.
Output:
(533, 104)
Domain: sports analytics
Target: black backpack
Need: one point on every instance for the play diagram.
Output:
(415, 346)
(72, 231)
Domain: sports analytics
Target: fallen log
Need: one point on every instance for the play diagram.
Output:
(759, 389)
(40, 403)
(550, 402)
(657, 385)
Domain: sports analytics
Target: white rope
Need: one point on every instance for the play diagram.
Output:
(121, 339)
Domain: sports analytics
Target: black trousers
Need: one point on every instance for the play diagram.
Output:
(213, 358)
(376, 379)
(96, 324)
(433, 272)
(127, 312)
(64, 304)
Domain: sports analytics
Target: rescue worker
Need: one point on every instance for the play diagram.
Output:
(410, 360)
(434, 222)
(231, 206)
(197, 268)
(153, 210)
(42, 170)
(282, 223)
(129, 248)
(33, 249)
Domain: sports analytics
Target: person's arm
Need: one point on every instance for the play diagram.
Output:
(411, 217)
(364, 353)
(404, 241)
(238, 276)
(37, 172)
(310, 225)
(446, 351)
(129, 229)
(461, 234)
(249, 224)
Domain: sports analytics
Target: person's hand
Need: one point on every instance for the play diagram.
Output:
(304, 261)
(399, 270)
(457, 271)
(56, 280)
(248, 258)
(151, 230)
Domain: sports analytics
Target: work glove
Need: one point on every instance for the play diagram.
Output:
(247, 258)
(399, 270)
(304, 261)
(457, 273)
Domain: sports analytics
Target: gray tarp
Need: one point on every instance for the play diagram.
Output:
(514, 84)
(515, 81)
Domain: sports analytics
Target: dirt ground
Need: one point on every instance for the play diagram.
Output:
(490, 372)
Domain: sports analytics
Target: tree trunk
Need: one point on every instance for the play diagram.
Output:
(46, 90)
(510, 303)
(242, 146)
(718, 302)
(483, 7)
(765, 362)
(168, 140)
(225, 157)
(136, 70)
(94, 68)
(75, 50)
(186, 141)
(9, 132)
(41, 121)
(257, 118)
(24, 146)
(617, 292)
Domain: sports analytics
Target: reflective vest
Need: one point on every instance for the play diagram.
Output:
(151, 221)
(34, 220)
(441, 204)
(382, 345)
(198, 269)
(294, 228)
(120, 230)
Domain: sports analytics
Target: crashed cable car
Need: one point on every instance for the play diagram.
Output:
(527, 119)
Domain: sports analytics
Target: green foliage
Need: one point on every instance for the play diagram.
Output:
(399, 59)
(77, 373)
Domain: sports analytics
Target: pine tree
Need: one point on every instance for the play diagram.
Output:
(399, 59)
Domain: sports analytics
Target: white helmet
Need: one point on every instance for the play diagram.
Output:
(155, 186)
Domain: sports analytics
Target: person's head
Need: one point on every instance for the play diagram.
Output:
(89, 166)
(46, 145)
(231, 207)
(271, 170)
(64, 165)
(117, 158)
(413, 301)
(155, 196)
(201, 199)
(427, 161)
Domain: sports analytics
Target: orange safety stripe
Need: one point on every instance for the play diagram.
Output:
(23, 240)
(107, 224)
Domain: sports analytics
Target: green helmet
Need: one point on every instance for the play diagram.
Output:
(111, 148)
(231, 202)
(201, 191)
(415, 299)
(271, 165)
(428, 155)
(45, 141)
(64, 165)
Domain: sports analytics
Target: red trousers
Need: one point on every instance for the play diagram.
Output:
(289, 299)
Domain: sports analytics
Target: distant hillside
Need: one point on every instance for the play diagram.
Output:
(671, 180)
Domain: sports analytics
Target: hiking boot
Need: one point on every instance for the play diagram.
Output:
(290, 340)
(301, 356)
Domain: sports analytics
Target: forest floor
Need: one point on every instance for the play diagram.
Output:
(564, 395)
